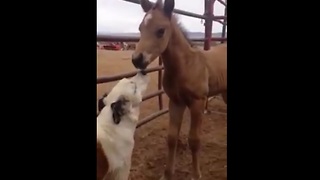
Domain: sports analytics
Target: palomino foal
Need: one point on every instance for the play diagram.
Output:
(190, 74)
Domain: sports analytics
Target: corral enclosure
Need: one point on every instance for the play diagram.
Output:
(150, 150)
(149, 156)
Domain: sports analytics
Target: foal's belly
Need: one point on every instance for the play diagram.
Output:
(216, 88)
(174, 94)
(182, 90)
(213, 91)
(184, 94)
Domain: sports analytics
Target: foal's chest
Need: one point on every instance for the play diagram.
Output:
(172, 86)
(178, 89)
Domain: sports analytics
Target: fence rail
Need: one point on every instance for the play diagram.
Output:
(117, 77)
(208, 17)
(135, 39)
(186, 13)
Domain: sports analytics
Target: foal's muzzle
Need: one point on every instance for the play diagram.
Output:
(139, 62)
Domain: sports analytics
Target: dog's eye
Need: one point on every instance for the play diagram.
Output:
(160, 32)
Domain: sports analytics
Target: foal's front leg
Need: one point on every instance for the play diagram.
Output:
(176, 115)
(196, 112)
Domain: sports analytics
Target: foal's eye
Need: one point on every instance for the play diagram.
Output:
(160, 32)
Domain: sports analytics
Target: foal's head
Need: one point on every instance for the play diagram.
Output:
(155, 32)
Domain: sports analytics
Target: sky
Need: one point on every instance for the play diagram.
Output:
(118, 16)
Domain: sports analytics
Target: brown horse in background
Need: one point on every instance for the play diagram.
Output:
(190, 74)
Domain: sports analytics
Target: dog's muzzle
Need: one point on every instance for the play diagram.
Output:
(142, 72)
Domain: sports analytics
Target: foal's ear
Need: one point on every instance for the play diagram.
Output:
(158, 5)
(168, 7)
(146, 5)
(118, 109)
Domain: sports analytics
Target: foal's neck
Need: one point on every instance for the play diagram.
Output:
(176, 52)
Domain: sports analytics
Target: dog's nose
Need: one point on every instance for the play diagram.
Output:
(142, 72)
(137, 61)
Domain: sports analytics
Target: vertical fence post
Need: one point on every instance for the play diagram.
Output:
(208, 6)
(160, 84)
(224, 25)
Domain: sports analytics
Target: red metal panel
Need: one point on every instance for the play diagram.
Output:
(208, 23)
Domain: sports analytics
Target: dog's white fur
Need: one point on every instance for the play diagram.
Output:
(117, 140)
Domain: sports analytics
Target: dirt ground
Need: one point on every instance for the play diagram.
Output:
(149, 155)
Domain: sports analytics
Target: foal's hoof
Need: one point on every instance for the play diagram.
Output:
(163, 178)
(207, 111)
(168, 177)
(198, 177)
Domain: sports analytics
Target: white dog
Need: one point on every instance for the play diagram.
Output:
(116, 124)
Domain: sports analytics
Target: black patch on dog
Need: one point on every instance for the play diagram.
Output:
(118, 109)
(101, 104)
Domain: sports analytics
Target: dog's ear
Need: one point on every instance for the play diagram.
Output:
(105, 95)
(118, 109)
(101, 104)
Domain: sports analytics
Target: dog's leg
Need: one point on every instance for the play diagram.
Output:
(126, 172)
(102, 163)
(123, 172)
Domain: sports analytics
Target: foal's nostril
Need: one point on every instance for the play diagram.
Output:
(138, 61)
(137, 58)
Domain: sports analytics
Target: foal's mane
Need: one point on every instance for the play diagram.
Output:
(184, 32)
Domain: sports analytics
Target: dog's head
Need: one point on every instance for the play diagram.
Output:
(125, 97)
